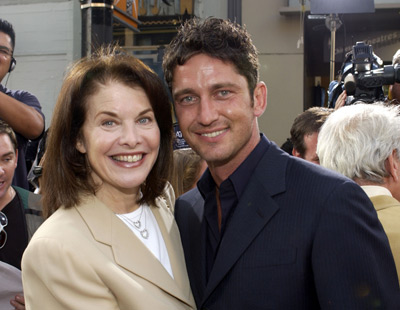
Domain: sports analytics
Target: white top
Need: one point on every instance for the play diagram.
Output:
(376, 190)
(154, 241)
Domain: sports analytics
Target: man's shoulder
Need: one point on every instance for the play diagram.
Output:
(190, 203)
(296, 170)
(29, 199)
(22, 95)
(382, 202)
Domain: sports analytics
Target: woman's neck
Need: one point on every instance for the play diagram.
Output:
(118, 201)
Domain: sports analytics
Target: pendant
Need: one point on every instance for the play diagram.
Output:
(144, 233)
(137, 224)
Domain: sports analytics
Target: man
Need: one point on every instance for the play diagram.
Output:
(264, 230)
(20, 209)
(20, 109)
(304, 133)
(363, 142)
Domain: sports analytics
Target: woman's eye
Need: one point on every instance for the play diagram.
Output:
(108, 123)
(144, 120)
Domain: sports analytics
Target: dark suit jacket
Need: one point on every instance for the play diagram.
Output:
(301, 237)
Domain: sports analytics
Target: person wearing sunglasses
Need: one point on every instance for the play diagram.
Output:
(20, 210)
(19, 108)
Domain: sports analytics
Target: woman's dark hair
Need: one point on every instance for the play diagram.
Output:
(66, 171)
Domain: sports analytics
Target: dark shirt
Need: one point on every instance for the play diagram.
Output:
(230, 192)
(21, 172)
(17, 234)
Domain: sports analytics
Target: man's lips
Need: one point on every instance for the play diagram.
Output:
(214, 133)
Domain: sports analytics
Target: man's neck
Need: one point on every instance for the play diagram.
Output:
(7, 198)
(221, 171)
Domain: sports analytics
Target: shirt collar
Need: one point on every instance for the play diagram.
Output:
(241, 175)
(376, 190)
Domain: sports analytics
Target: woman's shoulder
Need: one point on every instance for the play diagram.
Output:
(167, 199)
(62, 225)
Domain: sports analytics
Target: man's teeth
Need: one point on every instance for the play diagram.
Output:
(129, 158)
(213, 134)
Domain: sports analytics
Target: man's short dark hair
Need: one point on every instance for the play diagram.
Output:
(8, 29)
(217, 38)
(6, 129)
(308, 122)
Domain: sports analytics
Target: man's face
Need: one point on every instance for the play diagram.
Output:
(5, 54)
(310, 141)
(216, 114)
(8, 163)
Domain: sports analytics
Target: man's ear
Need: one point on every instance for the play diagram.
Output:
(16, 158)
(393, 166)
(295, 153)
(260, 99)
(80, 146)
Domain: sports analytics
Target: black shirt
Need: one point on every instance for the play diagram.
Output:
(17, 234)
(230, 192)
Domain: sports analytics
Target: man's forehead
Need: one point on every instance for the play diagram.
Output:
(5, 41)
(5, 143)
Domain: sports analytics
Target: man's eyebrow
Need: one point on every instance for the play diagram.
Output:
(5, 48)
(7, 154)
(189, 90)
(182, 92)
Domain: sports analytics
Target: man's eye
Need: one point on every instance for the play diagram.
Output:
(4, 52)
(187, 100)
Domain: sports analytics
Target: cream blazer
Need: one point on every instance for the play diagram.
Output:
(388, 210)
(86, 258)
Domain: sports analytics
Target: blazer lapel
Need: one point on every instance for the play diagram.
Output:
(129, 252)
(254, 210)
(170, 233)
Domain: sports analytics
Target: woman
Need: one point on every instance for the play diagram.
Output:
(111, 241)
(188, 168)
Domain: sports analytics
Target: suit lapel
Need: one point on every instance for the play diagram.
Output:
(197, 231)
(254, 210)
(129, 252)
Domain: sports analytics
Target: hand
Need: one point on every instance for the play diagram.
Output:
(341, 100)
(18, 303)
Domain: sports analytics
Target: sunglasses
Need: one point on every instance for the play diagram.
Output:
(3, 234)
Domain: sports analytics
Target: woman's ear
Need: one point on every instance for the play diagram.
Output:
(80, 146)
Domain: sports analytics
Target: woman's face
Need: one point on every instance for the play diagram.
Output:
(120, 137)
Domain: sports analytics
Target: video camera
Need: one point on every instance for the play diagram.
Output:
(363, 77)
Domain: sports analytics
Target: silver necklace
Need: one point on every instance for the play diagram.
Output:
(138, 224)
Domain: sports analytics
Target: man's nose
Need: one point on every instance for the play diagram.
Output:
(208, 112)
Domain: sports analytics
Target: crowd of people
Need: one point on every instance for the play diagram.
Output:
(244, 225)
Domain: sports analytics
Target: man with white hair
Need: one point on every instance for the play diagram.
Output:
(362, 141)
